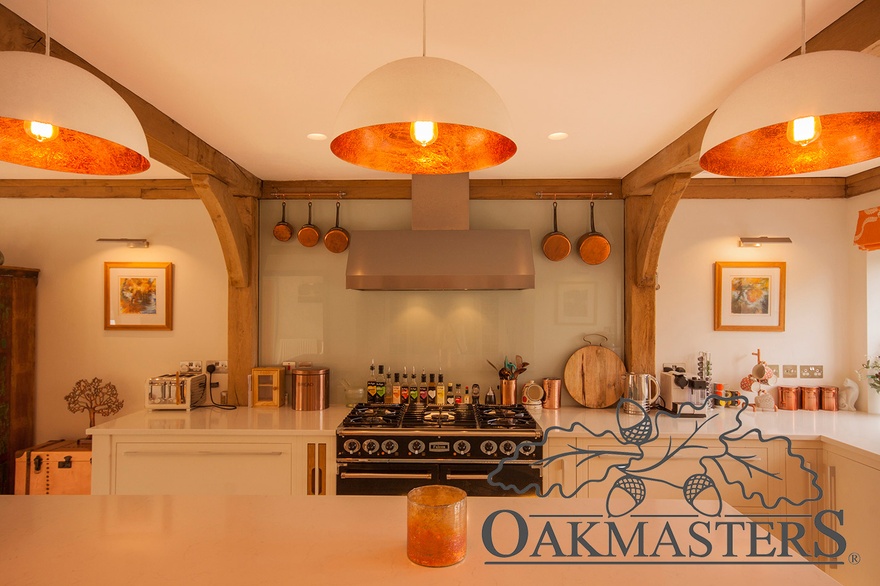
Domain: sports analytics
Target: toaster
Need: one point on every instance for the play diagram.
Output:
(176, 391)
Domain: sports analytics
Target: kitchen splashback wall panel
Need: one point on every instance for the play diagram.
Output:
(308, 314)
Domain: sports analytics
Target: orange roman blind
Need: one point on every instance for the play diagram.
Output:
(868, 229)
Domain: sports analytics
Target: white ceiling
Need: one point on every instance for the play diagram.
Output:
(252, 78)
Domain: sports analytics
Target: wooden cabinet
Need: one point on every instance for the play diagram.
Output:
(316, 467)
(18, 310)
(267, 386)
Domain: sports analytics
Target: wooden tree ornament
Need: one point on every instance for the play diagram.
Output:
(91, 396)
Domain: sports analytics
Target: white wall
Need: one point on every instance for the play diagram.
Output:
(58, 237)
(307, 314)
(825, 294)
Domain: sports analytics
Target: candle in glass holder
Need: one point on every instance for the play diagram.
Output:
(436, 525)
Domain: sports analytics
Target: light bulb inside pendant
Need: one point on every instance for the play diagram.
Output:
(40, 131)
(423, 132)
(803, 131)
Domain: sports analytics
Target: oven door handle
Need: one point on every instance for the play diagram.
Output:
(453, 476)
(379, 475)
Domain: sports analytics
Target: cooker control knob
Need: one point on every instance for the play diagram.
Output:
(461, 447)
(351, 446)
(389, 446)
(508, 447)
(417, 446)
(489, 447)
(371, 446)
(527, 449)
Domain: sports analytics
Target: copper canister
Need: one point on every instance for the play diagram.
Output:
(829, 398)
(552, 393)
(810, 398)
(788, 398)
(311, 388)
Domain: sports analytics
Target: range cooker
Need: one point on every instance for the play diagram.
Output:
(390, 449)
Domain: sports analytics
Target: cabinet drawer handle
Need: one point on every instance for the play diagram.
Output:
(200, 453)
(467, 477)
(676, 457)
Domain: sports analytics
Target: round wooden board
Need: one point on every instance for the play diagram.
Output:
(594, 377)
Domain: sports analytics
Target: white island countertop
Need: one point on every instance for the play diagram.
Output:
(214, 540)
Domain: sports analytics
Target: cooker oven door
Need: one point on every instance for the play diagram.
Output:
(399, 478)
(473, 478)
(383, 478)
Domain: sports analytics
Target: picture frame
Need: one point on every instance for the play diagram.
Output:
(576, 303)
(138, 296)
(750, 296)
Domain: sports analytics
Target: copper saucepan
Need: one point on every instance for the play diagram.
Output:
(282, 230)
(336, 239)
(309, 234)
(592, 246)
(556, 245)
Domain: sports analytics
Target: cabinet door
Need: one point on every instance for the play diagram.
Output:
(853, 489)
(203, 468)
(560, 476)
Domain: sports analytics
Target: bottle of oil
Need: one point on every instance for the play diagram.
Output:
(423, 389)
(380, 385)
(404, 388)
(371, 383)
(395, 389)
(490, 396)
(458, 396)
(432, 390)
(466, 398)
(441, 390)
(413, 387)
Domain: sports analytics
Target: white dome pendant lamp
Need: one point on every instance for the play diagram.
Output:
(57, 116)
(423, 116)
(811, 112)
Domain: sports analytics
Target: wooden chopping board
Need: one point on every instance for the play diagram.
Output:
(594, 377)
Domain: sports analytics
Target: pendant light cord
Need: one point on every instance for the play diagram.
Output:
(424, 27)
(48, 38)
(803, 27)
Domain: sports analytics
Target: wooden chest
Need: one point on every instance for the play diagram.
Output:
(55, 467)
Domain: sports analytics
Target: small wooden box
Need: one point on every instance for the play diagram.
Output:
(267, 386)
(55, 467)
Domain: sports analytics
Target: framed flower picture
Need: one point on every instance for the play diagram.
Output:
(137, 296)
(750, 296)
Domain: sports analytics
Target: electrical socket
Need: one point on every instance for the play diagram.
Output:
(789, 371)
(220, 366)
(191, 366)
(674, 366)
(775, 369)
(812, 371)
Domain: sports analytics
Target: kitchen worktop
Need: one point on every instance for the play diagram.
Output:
(211, 540)
(853, 429)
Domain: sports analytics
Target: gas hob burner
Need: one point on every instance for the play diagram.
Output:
(418, 415)
(366, 415)
(505, 417)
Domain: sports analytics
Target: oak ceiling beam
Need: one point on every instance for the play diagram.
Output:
(857, 30)
(667, 193)
(98, 188)
(220, 203)
(482, 189)
(766, 188)
(169, 142)
(863, 182)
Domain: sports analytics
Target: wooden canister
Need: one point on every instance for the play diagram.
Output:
(830, 401)
(810, 398)
(788, 398)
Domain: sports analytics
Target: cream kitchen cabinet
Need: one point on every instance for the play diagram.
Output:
(851, 480)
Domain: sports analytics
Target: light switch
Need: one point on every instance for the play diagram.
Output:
(789, 371)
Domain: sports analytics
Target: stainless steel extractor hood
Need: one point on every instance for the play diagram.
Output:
(440, 253)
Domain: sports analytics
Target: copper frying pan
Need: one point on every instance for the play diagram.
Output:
(592, 246)
(282, 230)
(336, 239)
(556, 245)
(309, 234)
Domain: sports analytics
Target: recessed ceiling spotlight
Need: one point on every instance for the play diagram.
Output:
(557, 135)
(316, 136)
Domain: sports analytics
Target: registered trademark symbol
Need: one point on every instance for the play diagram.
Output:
(855, 558)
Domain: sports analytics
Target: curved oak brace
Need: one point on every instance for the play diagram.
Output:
(221, 207)
(665, 197)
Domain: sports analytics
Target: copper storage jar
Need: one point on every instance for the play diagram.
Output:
(788, 398)
(310, 388)
(810, 398)
(829, 398)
